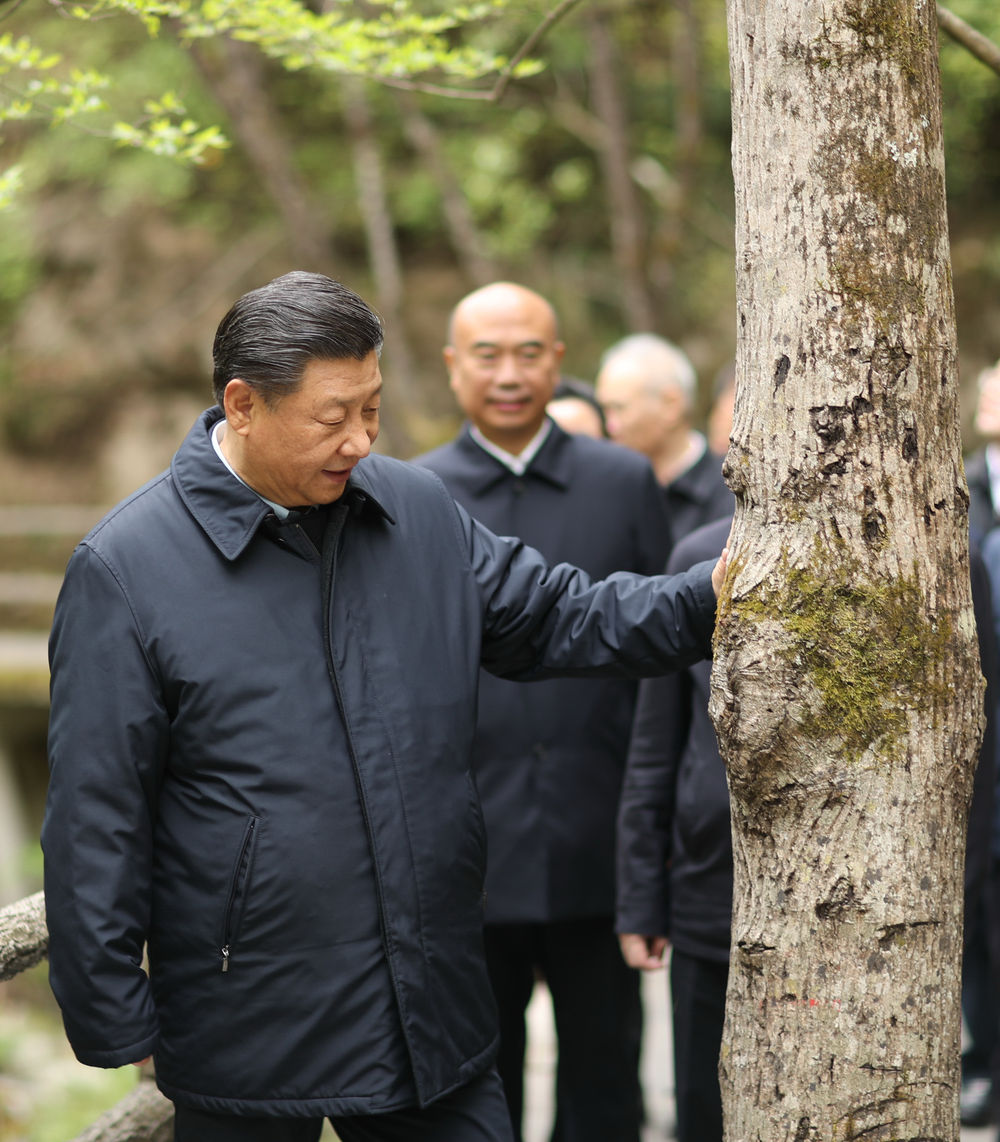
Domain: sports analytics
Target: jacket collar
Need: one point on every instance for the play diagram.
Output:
(691, 484)
(552, 462)
(226, 509)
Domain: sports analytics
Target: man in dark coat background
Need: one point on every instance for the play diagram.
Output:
(548, 758)
(264, 681)
(675, 867)
(980, 1092)
(675, 861)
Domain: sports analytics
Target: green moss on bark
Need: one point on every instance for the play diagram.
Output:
(869, 648)
(890, 30)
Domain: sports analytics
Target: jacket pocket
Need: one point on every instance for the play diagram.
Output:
(236, 897)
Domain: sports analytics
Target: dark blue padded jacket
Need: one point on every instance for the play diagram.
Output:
(260, 774)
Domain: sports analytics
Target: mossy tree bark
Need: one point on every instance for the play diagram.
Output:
(846, 690)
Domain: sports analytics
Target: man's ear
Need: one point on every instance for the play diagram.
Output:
(448, 352)
(238, 401)
(559, 348)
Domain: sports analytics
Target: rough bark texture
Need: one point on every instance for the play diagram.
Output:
(847, 693)
(24, 938)
(142, 1116)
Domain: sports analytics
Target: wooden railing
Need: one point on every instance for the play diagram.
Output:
(142, 1116)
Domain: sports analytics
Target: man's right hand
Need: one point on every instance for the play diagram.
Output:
(643, 952)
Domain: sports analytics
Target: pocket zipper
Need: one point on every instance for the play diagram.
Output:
(239, 877)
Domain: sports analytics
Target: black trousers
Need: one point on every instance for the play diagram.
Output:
(476, 1112)
(598, 1015)
(698, 998)
(979, 992)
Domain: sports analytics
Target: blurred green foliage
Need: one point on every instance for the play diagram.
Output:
(102, 234)
(45, 1095)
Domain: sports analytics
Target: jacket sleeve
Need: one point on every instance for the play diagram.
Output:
(108, 735)
(542, 621)
(979, 854)
(647, 803)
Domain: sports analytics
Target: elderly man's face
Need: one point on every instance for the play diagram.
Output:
(988, 409)
(637, 415)
(302, 448)
(503, 363)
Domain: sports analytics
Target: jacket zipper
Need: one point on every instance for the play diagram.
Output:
(331, 544)
(239, 877)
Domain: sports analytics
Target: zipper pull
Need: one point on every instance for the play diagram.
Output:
(225, 958)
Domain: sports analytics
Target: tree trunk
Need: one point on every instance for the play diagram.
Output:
(466, 240)
(236, 75)
(846, 688)
(383, 255)
(627, 224)
(675, 219)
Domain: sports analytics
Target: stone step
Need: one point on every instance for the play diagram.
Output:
(24, 668)
(35, 588)
(68, 521)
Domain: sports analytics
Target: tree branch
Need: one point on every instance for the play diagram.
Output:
(495, 93)
(24, 938)
(985, 50)
(529, 45)
(17, 4)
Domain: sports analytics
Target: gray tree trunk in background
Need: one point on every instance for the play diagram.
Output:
(385, 262)
(677, 195)
(236, 75)
(627, 224)
(846, 688)
(466, 239)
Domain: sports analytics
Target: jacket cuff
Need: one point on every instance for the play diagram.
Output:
(117, 1057)
(641, 921)
(704, 596)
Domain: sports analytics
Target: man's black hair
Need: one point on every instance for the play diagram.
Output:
(270, 334)
(576, 389)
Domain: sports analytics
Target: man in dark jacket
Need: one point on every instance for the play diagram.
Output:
(982, 468)
(675, 861)
(646, 386)
(675, 867)
(980, 983)
(548, 759)
(260, 731)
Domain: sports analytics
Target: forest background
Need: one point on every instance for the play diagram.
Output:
(602, 178)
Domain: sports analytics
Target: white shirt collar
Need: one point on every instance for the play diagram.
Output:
(280, 511)
(517, 464)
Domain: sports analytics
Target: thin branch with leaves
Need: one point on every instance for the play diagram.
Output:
(983, 48)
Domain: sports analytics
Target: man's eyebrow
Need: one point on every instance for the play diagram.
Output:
(334, 403)
(534, 343)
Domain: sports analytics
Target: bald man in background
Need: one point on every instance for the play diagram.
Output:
(549, 757)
